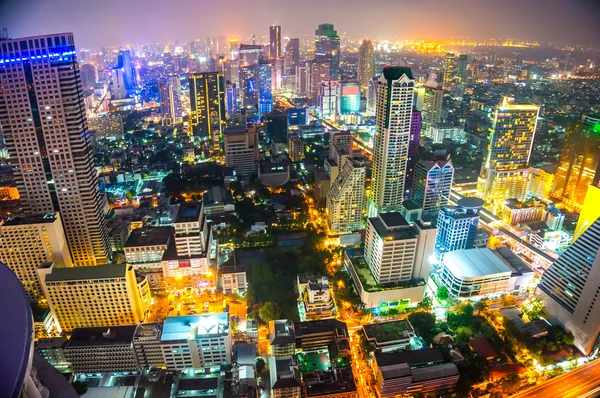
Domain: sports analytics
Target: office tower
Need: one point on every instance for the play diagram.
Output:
(46, 136)
(170, 105)
(366, 63)
(168, 62)
(457, 226)
(105, 295)
(318, 71)
(395, 251)
(275, 42)
(327, 47)
(265, 85)
(340, 138)
(372, 94)
(432, 108)
(241, 149)
(511, 138)
(328, 101)
(28, 241)
(302, 81)
(249, 87)
(413, 153)
(123, 76)
(89, 76)
(207, 103)
(579, 162)
(346, 198)
(349, 97)
(435, 79)
(569, 289)
(292, 56)
(231, 95)
(107, 126)
(432, 183)
(392, 137)
(277, 74)
(250, 54)
(463, 60)
(296, 146)
(233, 44)
(450, 69)
(196, 341)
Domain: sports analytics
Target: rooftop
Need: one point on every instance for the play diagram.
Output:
(412, 357)
(216, 195)
(52, 342)
(149, 236)
(101, 336)
(513, 261)
(338, 381)
(393, 226)
(474, 263)
(396, 72)
(281, 331)
(189, 212)
(434, 372)
(193, 326)
(320, 326)
(149, 330)
(32, 219)
(483, 348)
(388, 331)
(83, 273)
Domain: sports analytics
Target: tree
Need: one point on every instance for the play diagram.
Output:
(260, 366)
(424, 325)
(80, 387)
(508, 300)
(269, 311)
(481, 306)
(534, 309)
(442, 293)
(130, 194)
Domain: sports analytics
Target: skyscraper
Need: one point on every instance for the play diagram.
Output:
(349, 97)
(511, 138)
(346, 198)
(457, 226)
(292, 56)
(46, 134)
(241, 149)
(207, 103)
(569, 289)
(432, 183)
(413, 153)
(366, 63)
(265, 85)
(392, 136)
(450, 69)
(123, 76)
(327, 47)
(275, 42)
(432, 108)
(463, 60)
(579, 161)
(249, 87)
(328, 101)
(318, 72)
(170, 105)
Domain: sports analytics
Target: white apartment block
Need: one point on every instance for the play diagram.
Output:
(146, 246)
(27, 242)
(104, 295)
(392, 134)
(50, 150)
(315, 297)
(196, 341)
(346, 197)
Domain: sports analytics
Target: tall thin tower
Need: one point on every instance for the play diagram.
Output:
(393, 116)
(366, 63)
(46, 133)
(275, 42)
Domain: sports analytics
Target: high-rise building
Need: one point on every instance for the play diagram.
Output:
(413, 153)
(432, 183)
(104, 295)
(317, 72)
(372, 94)
(570, 287)
(249, 87)
(328, 102)
(241, 149)
(196, 341)
(296, 146)
(346, 198)
(366, 63)
(392, 136)
(302, 81)
(457, 226)
(450, 69)
(265, 94)
(207, 103)
(579, 162)
(432, 108)
(89, 76)
(275, 42)
(46, 135)
(292, 56)
(327, 47)
(590, 211)
(27, 242)
(463, 61)
(349, 97)
(170, 104)
(510, 141)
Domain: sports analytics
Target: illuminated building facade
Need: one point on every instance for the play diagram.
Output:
(46, 134)
(327, 47)
(505, 173)
(292, 56)
(590, 211)
(463, 61)
(457, 226)
(265, 94)
(432, 108)
(317, 72)
(450, 69)
(346, 197)
(349, 97)
(275, 42)
(366, 63)
(569, 289)
(392, 137)
(579, 164)
(328, 102)
(241, 149)
(432, 183)
(249, 87)
(27, 242)
(413, 153)
(104, 295)
(207, 103)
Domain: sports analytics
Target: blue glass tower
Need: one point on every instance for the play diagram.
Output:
(457, 226)
(265, 94)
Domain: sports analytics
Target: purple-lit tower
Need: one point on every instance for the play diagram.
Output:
(413, 152)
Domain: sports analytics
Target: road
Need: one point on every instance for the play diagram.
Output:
(583, 382)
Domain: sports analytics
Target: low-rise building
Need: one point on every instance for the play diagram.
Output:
(338, 383)
(233, 279)
(282, 338)
(315, 300)
(324, 334)
(389, 336)
(101, 349)
(252, 330)
(285, 377)
(515, 212)
(217, 200)
(144, 250)
(146, 342)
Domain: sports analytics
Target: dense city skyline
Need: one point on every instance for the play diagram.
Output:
(115, 23)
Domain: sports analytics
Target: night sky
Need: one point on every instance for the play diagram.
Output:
(119, 22)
